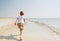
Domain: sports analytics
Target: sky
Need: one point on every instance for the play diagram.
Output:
(31, 8)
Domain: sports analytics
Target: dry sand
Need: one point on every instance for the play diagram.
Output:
(32, 32)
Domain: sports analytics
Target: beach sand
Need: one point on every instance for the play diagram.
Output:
(32, 32)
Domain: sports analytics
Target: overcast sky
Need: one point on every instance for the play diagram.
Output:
(31, 8)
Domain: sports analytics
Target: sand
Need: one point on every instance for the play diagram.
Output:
(32, 32)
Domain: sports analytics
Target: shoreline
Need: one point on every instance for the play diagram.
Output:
(53, 29)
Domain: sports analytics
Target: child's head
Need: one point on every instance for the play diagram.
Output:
(21, 13)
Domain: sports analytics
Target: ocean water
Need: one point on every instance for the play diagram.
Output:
(55, 22)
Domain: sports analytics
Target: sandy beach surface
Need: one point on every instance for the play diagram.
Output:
(32, 32)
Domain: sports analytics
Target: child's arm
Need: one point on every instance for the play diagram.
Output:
(15, 21)
(24, 19)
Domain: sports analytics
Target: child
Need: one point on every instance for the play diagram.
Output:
(20, 23)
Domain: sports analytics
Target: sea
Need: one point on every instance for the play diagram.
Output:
(55, 22)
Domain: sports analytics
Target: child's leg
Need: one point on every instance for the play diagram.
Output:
(21, 30)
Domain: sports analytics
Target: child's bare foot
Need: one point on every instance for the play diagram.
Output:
(20, 40)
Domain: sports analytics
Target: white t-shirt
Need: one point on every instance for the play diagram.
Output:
(21, 19)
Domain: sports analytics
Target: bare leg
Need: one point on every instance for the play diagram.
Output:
(21, 30)
(20, 33)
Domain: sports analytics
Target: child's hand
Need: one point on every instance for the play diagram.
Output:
(14, 23)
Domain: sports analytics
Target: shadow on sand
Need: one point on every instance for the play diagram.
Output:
(10, 37)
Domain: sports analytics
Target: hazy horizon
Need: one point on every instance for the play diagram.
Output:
(31, 8)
